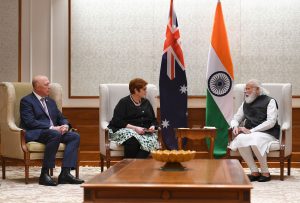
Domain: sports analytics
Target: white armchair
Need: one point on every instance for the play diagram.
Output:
(13, 144)
(110, 94)
(281, 151)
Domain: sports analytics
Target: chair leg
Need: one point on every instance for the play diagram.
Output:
(26, 163)
(77, 170)
(107, 162)
(101, 162)
(289, 167)
(3, 167)
(281, 169)
(26, 172)
(77, 164)
(51, 171)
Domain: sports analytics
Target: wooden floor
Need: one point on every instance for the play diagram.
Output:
(203, 180)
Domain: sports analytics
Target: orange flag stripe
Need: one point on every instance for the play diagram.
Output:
(219, 40)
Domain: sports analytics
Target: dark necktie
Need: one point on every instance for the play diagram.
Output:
(46, 110)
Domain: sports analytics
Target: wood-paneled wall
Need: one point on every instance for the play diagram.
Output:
(86, 120)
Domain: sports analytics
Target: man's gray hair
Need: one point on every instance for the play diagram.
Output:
(256, 83)
(36, 80)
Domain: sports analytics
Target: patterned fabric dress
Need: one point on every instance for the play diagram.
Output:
(126, 112)
(148, 141)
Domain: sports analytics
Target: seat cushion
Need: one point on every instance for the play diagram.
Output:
(115, 146)
(274, 146)
(274, 149)
(40, 155)
(39, 147)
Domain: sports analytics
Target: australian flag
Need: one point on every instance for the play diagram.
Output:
(172, 84)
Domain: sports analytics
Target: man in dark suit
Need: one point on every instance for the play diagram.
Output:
(44, 123)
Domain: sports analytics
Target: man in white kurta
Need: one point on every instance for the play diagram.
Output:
(255, 126)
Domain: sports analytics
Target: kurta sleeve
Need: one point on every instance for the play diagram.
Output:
(238, 117)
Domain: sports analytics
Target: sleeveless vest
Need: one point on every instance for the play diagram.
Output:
(256, 113)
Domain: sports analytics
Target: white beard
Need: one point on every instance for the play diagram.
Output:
(250, 98)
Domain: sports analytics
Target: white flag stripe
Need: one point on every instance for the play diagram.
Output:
(174, 17)
(169, 64)
(170, 51)
(224, 103)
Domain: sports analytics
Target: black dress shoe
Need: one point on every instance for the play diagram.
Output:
(253, 178)
(264, 178)
(45, 179)
(68, 178)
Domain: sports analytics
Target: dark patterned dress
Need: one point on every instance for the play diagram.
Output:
(127, 112)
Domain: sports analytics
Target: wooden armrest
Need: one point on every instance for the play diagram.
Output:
(107, 141)
(23, 141)
(283, 138)
(160, 140)
(230, 137)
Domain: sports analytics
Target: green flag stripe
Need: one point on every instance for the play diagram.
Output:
(214, 117)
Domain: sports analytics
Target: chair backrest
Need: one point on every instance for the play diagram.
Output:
(11, 94)
(282, 93)
(110, 95)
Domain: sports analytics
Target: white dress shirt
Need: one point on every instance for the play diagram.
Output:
(39, 98)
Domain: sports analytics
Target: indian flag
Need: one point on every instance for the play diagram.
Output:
(219, 76)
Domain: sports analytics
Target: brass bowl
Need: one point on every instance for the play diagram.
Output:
(173, 156)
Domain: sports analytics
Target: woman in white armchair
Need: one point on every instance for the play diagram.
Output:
(133, 124)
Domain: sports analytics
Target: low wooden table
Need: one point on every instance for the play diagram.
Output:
(204, 180)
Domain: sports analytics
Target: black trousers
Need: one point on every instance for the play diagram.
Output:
(132, 149)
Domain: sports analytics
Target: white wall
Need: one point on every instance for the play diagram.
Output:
(45, 45)
(114, 40)
(45, 41)
(9, 40)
